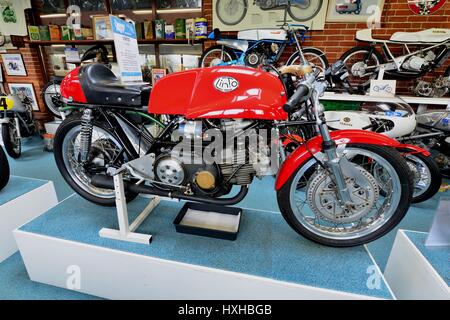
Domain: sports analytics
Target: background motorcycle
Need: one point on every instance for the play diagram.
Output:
(327, 193)
(365, 62)
(16, 119)
(51, 93)
(261, 47)
(4, 169)
(232, 12)
(395, 120)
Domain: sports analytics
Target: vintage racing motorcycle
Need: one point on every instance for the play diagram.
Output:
(341, 188)
(423, 51)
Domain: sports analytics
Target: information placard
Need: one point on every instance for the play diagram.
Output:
(127, 50)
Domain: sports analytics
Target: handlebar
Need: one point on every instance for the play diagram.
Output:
(301, 92)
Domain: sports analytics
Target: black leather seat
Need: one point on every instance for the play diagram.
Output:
(102, 87)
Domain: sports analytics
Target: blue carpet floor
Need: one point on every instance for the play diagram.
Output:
(18, 186)
(41, 165)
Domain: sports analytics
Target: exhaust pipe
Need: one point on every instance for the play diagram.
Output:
(106, 182)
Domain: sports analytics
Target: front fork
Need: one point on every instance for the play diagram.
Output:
(333, 160)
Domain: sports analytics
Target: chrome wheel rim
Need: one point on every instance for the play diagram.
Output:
(216, 61)
(352, 68)
(422, 174)
(379, 215)
(71, 150)
(51, 93)
(315, 60)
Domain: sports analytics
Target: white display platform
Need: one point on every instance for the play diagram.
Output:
(20, 210)
(411, 276)
(114, 274)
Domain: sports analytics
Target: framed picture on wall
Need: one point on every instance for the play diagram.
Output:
(157, 74)
(24, 90)
(102, 28)
(13, 64)
(354, 10)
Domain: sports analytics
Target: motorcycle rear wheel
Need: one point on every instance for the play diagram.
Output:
(51, 94)
(317, 228)
(221, 52)
(313, 56)
(375, 59)
(4, 169)
(104, 147)
(11, 140)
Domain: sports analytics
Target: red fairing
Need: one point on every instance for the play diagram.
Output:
(71, 87)
(220, 92)
(303, 154)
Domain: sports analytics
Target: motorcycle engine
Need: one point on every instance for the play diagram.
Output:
(241, 161)
(419, 62)
(260, 54)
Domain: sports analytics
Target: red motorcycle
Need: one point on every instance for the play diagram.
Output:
(199, 133)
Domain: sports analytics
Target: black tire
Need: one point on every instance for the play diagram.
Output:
(403, 171)
(60, 136)
(4, 169)
(376, 54)
(312, 16)
(227, 50)
(436, 179)
(238, 20)
(51, 101)
(320, 54)
(13, 150)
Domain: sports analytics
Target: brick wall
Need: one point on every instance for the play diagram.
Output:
(34, 76)
(337, 38)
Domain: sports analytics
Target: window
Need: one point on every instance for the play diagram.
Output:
(51, 6)
(172, 4)
(120, 5)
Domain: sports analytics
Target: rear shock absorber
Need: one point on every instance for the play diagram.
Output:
(86, 135)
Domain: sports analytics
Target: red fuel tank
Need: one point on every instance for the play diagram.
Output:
(71, 87)
(220, 92)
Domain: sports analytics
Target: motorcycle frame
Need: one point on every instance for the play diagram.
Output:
(395, 63)
(291, 39)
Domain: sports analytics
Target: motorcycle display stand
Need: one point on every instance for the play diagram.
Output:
(22, 200)
(126, 230)
(415, 271)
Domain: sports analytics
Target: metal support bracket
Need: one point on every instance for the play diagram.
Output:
(126, 230)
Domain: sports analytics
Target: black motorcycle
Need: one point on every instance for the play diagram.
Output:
(4, 169)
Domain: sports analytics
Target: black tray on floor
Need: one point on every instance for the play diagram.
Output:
(205, 231)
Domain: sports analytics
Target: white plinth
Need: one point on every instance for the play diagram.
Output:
(21, 210)
(115, 274)
(411, 276)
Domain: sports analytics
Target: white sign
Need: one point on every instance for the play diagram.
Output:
(127, 49)
(383, 88)
(72, 55)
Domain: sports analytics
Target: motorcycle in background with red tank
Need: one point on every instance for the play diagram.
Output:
(341, 188)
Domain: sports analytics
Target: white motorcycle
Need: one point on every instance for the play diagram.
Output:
(431, 50)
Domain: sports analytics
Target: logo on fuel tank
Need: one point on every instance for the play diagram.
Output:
(226, 84)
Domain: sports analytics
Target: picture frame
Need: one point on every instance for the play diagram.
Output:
(102, 29)
(14, 65)
(354, 11)
(158, 74)
(27, 89)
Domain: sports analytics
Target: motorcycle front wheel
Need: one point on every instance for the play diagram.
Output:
(11, 139)
(4, 169)
(51, 94)
(104, 149)
(312, 55)
(308, 201)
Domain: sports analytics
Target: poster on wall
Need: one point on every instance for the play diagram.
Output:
(12, 17)
(236, 15)
(425, 7)
(127, 49)
(354, 10)
(13, 64)
(24, 90)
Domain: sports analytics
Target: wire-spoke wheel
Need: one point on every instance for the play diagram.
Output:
(104, 150)
(216, 56)
(309, 200)
(11, 139)
(313, 56)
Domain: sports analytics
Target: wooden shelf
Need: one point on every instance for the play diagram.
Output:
(93, 42)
